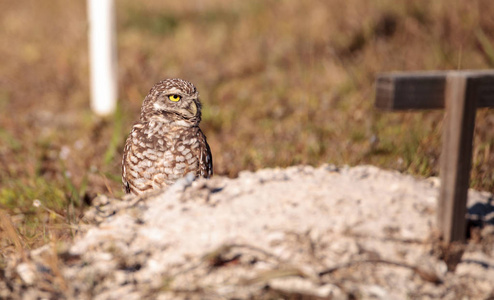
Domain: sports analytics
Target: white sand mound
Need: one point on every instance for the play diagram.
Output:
(311, 233)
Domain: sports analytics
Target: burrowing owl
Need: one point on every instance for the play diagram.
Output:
(166, 143)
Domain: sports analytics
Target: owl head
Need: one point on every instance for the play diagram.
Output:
(174, 101)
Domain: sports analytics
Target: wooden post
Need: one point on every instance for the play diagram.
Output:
(456, 155)
(103, 56)
(460, 93)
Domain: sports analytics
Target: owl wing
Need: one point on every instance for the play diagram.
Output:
(206, 158)
(136, 161)
(125, 161)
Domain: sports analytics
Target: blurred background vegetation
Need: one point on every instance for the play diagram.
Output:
(282, 83)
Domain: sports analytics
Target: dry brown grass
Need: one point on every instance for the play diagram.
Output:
(282, 83)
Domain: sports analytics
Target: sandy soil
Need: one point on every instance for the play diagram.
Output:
(296, 233)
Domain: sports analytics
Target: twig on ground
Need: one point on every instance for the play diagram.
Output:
(424, 274)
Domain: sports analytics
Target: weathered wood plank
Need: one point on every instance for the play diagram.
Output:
(426, 90)
(399, 91)
(461, 94)
(485, 87)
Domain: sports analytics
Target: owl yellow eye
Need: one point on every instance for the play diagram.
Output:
(174, 98)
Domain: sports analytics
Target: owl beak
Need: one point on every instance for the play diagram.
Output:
(193, 108)
(189, 111)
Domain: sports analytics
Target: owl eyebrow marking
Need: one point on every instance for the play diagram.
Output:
(173, 91)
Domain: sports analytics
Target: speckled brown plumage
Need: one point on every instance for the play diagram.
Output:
(166, 143)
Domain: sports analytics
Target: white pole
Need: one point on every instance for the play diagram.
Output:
(102, 56)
